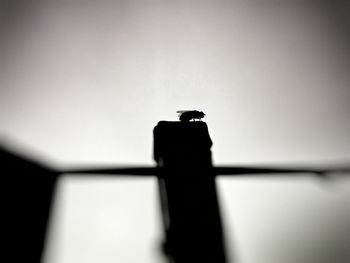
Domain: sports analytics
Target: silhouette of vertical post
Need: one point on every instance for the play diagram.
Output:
(189, 202)
(28, 190)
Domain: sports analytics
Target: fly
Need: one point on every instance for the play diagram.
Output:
(187, 115)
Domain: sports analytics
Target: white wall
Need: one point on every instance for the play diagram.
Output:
(86, 81)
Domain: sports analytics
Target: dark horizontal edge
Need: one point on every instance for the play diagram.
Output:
(218, 170)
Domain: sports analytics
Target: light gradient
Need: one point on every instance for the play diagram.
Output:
(85, 82)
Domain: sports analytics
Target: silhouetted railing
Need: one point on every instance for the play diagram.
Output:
(182, 153)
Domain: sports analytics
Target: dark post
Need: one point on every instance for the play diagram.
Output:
(27, 190)
(189, 202)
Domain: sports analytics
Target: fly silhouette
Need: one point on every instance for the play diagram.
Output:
(187, 115)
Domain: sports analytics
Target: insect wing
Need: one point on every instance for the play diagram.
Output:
(180, 112)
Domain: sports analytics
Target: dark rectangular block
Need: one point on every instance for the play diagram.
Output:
(189, 202)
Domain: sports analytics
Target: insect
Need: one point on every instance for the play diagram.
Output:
(187, 115)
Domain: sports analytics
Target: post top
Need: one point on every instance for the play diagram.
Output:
(175, 138)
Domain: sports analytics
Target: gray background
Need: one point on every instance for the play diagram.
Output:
(85, 82)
